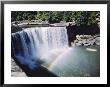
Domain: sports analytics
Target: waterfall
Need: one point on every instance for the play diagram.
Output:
(29, 45)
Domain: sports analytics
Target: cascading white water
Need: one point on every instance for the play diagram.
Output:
(33, 43)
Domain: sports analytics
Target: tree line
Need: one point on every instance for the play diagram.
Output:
(80, 17)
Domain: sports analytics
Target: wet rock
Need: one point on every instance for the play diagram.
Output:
(15, 67)
(15, 28)
(16, 71)
(86, 40)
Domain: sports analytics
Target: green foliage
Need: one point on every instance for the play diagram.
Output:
(55, 16)
(85, 17)
(42, 15)
(92, 18)
(22, 15)
(68, 16)
(80, 17)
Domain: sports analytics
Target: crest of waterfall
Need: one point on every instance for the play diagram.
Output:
(31, 43)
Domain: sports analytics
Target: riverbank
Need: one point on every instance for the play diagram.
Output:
(16, 71)
(86, 40)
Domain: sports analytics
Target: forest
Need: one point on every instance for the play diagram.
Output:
(80, 17)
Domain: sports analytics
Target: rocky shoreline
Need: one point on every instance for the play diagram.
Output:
(86, 40)
(16, 71)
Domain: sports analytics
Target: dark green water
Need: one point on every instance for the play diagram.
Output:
(77, 62)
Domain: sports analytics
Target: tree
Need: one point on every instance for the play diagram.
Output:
(55, 16)
(80, 17)
(93, 18)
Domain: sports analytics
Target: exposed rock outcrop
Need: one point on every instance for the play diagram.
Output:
(86, 40)
(73, 30)
(16, 70)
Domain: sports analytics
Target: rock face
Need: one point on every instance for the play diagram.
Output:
(16, 70)
(73, 30)
(86, 40)
(15, 28)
